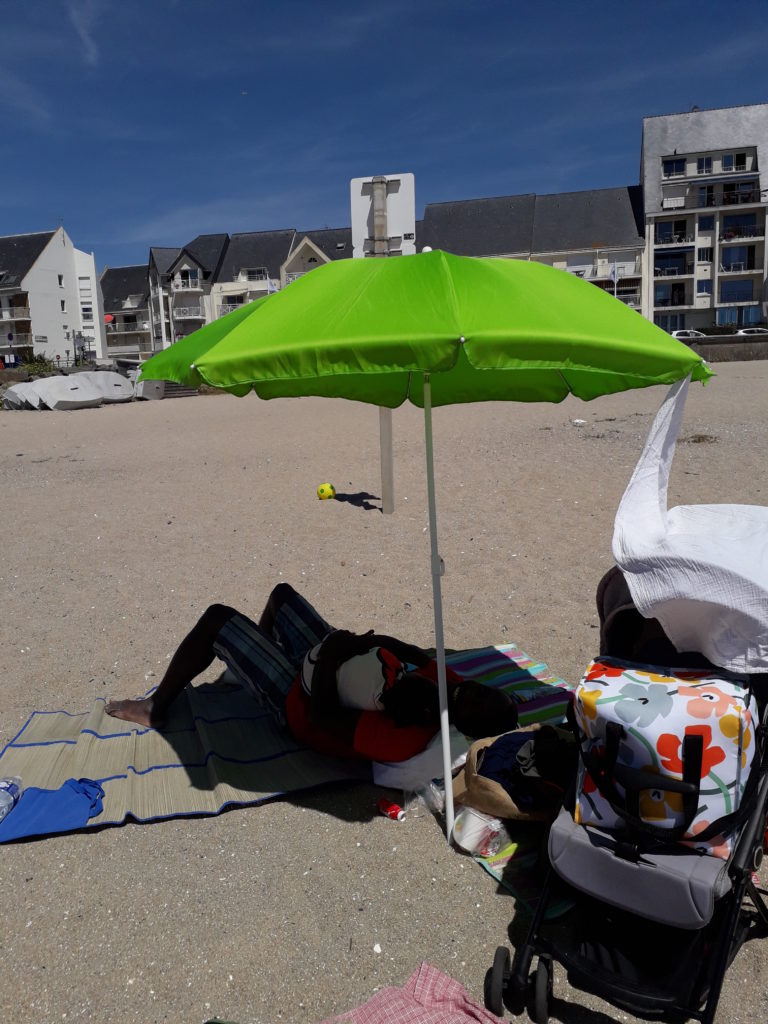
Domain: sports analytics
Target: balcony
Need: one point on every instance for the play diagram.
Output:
(715, 195)
(188, 313)
(630, 298)
(123, 328)
(673, 271)
(674, 239)
(193, 284)
(15, 313)
(228, 307)
(745, 231)
(294, 277)
(737, 267)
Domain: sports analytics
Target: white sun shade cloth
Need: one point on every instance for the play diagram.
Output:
(701, 570)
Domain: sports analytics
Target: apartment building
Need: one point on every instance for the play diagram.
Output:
(50, 299)
(127, 318)
(595, 234)
(147, 308)
(705, 189)
(685, 247)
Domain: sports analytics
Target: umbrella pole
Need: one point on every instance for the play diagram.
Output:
(438, 568)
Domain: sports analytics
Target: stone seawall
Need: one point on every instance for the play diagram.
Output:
(730, 348)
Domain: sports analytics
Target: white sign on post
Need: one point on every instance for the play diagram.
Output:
(383, 209)
(392, 195)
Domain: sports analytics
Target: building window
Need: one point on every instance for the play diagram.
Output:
(738, 257)
(737, 162)
(736, 291)
(256, 274)
(704, 165)
(674, 168)
(706, 195)
(87, 313)
(63, 304)
(704, 287)
(704, 255)
(61, 280)
(740, 225)
(668, 231)
(706, 223)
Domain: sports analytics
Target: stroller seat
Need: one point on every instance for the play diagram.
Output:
(675, 886)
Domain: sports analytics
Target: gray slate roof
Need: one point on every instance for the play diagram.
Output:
(18, 254)
(207, 251)
(597, 218)
(117, 283)
(327, 240)
(252, 249)
(479, 227)
(163, 258)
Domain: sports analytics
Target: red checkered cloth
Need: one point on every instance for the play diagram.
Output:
(428, 997)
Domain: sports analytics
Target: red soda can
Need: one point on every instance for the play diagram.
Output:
(390, 810)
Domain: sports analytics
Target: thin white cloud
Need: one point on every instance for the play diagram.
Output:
(84, 14)
(18, 97)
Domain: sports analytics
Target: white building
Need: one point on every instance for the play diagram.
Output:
(705, 190)
(50, 298)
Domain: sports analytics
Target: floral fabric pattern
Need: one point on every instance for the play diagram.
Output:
(655, 712)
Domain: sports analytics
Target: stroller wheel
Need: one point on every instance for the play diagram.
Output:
(496, 981)
(542, 990)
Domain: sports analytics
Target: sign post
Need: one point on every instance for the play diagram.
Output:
(384, 224)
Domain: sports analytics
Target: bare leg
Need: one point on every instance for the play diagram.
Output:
(194, 655)
(278, 597)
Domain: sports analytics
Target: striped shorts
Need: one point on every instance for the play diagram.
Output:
(268, 663)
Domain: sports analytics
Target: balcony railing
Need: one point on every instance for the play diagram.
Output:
(673, 271)
(745, 231)
(192, 285)
(294, 277)
(188, 313)
(228, 307)
(118, 328)
(15, 313)
(19, 340)
(738, 267)
(718, 197)
(631, 298)
(674, 239)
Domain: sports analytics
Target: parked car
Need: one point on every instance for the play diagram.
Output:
(688, 334)
(753, 330)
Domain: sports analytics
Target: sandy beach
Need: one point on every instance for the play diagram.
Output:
(121, 524)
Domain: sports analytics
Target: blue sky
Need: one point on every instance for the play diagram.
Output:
(138, 123)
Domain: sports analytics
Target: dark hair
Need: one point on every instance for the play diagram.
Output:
(413, 700)
(479, 710)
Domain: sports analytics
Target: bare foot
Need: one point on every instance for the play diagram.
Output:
(141, 711)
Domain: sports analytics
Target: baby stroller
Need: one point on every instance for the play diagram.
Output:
(655, 925)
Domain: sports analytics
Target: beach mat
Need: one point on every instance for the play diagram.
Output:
(220, 748)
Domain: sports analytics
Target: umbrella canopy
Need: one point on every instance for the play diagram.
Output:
(369, 329)
(431, 329)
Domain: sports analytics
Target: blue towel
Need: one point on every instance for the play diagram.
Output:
(44, 811)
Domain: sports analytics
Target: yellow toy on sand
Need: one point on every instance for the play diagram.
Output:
(325, 491)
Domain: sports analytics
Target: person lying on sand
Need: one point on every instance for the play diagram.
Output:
(340, 693)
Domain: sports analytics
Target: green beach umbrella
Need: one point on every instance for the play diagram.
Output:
(431, 329)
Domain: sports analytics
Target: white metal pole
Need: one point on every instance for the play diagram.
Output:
(387, 465)
(438, 568)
